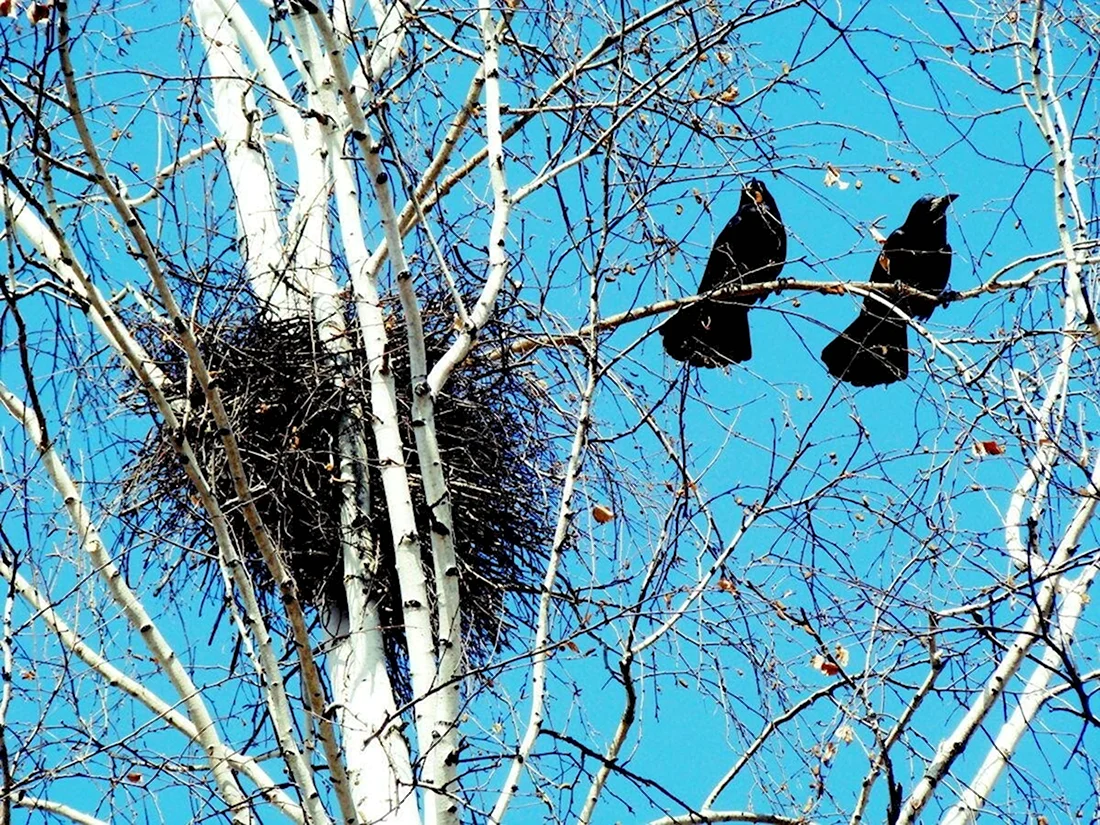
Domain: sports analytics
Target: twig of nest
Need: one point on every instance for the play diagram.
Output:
(286, 406)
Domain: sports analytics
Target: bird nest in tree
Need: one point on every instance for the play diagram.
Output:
(285, 403)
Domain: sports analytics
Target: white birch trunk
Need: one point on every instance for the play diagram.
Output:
(1037, 86)
(379, 767)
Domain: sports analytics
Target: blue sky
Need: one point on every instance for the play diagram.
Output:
(912, 113)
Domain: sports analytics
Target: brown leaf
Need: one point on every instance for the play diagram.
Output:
(819, 662)
(602, 514)
(833, 177)
(37, 12)
(982, 449)
(840, 653)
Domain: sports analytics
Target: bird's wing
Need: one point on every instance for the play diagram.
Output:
(780, 228)
(722, 263)
(934, 270)
(881, 273)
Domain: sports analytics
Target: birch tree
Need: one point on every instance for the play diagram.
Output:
(620, 589)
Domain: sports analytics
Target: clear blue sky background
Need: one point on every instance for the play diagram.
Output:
(985, 149)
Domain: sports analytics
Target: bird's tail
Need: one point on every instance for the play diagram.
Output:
(873, 350)
(708, 334)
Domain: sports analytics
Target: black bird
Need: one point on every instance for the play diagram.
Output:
(874, 349)
(750, 249)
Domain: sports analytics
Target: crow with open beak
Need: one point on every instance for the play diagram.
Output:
(874, 349)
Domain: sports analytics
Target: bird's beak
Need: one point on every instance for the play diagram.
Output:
(756, 191)
(939, 205)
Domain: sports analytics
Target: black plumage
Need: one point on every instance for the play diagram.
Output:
(750, 249)
(874, 349)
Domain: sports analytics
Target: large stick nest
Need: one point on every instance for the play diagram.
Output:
(286, 402)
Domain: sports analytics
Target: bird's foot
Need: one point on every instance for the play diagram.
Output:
(947, 296)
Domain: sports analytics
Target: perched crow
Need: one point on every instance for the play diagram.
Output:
(750, 249)
(874, 349)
